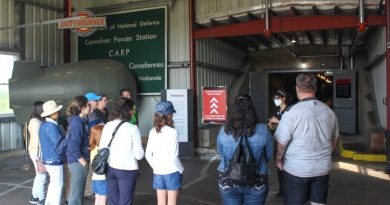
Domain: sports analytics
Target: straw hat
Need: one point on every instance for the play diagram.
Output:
(50, 107)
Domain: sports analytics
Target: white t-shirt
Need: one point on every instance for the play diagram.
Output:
(162, 151)
(126, 148)
(308, 129)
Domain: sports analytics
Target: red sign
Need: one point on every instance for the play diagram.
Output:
(214, 104)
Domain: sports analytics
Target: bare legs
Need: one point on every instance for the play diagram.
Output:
(165, 197)
(100, 199)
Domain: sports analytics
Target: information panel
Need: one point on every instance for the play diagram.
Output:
(138, 40)
(214, 104)
(179, 99)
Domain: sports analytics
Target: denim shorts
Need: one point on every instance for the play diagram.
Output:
(299, 190)
(167, 181)
(99, 187)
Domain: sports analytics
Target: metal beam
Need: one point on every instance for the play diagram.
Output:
(309, 37)
(245, 41)
(339, 36)
(272, 12)
(233, 20)
(324, 37)
(251, 16)
(287, 24)
(293, 11)
(315, 11)
(237, 40)
(337, 10)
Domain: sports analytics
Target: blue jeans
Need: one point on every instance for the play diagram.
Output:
(38, 189)
(244, 195)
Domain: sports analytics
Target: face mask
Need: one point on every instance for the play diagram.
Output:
(277, 102)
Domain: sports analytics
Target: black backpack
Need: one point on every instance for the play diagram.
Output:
(243, 166)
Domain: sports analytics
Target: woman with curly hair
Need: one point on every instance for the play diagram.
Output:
(126, 149)
(242, 122)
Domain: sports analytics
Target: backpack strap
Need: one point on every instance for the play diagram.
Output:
(113, 133)
(250, 151)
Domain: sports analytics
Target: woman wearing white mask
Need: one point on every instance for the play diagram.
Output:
(281, 104)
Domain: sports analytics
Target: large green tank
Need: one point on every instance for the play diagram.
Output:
(30, 83)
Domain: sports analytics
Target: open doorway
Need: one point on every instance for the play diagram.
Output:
(285, 81)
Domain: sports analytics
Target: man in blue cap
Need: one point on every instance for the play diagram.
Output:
(93, 119)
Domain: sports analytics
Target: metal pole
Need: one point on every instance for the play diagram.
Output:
(267, 31)
(193, 70)
(68, 11)
(388, 63)
(266, 15)
(362, 24)
(361, 11)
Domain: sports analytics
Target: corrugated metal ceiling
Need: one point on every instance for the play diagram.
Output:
(223, 12)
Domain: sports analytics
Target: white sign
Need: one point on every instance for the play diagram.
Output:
(179, 99)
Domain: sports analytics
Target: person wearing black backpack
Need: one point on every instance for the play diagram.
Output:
(245, 147)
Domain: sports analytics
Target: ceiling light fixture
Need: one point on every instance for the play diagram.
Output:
(293, 40)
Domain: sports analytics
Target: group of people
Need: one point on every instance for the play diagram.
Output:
(305, 135)
(89, 128)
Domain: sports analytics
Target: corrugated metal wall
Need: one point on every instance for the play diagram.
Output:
(40, 43)
(8, 39)
(10, 135)
(222, 55)
(44, 43)
(377, 46)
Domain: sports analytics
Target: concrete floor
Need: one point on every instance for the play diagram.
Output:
(351, 183)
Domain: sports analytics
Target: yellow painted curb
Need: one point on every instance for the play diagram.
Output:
(359, 156)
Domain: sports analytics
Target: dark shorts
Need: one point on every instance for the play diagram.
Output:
(168, 181)
(99, 187)
(299, 190)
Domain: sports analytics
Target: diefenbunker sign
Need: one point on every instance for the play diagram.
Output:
(138, 40)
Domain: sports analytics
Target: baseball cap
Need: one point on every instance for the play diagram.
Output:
(165, 108)
(92, 96)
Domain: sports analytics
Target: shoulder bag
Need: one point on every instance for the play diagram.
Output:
(40, 166)
(100, 161)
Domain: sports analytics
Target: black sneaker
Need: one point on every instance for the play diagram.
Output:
(34, 200)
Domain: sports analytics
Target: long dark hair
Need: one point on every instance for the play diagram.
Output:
(161, 120)
(121, 109)
(74, 107)
(242, 118)
(37, 110)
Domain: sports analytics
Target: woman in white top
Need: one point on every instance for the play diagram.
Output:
(38, 189)
(126, 149)
(162, 153)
